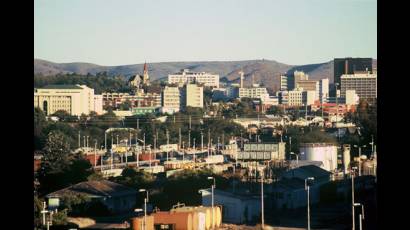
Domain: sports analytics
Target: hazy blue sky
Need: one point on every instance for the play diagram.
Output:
(119, 32)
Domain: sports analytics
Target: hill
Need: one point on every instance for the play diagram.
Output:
(266, 72)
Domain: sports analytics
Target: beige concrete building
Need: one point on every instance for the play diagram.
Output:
(98, 104)
(171, 102)
(351, 97)
(309, 85)
(184, 77)
(193, 95)
(254, 92)
(295, 97)
(139, 99)
(75, 99)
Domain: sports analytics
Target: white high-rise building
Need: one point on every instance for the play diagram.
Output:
(254, 92)
(295, 97)
(184, 76)
(323, 89)
(170, 100)
(193, 95)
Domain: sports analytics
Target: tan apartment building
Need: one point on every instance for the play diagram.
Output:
(171, 102)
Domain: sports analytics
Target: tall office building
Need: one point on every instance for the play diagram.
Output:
(170, 100)
(193, 96)
(350, 66)
(292, 79)
(365, 85)
(323, 89)
(283, 83)
(309, 85)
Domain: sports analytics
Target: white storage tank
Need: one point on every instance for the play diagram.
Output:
(324, 152)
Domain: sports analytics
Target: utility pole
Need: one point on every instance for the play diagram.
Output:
(189, 122)
(353, 220)
(95, 153)
(337, 112)
(202, 141)
(79, 139)
(179, 140)
(84, 141)
(217, 146)
(44, 211)
(167, 145)
(209, 141)
(105, 141)
(138, 124)
(144, 143)
(223, 141)
(262, 206)
(183, 151)
(189, 138)
(87, 143)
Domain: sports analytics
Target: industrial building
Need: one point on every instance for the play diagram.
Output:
(184, 77)
(237, 209)
(262, 151)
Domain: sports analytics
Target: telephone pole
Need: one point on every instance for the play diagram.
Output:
(202, 141)
(167, 145)
(189, 138)
(179, 140)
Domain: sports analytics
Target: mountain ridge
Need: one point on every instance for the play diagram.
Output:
(266, 72)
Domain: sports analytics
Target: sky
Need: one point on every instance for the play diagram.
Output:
(122, 32)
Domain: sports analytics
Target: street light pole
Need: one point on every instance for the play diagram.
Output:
(361, 215)
(262, 206)
(307, 188)
(212, 189)
(145, 207)
(353, 220)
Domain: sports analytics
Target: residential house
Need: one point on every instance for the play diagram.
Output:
(116, 197)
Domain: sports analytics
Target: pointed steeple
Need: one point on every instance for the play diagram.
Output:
(145, 75)
(145, 68)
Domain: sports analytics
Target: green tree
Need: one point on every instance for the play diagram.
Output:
(126, 105)
(40, 122)
(56, 153)
(62, 115)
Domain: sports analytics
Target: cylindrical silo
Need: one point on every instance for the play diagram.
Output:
(323, 152)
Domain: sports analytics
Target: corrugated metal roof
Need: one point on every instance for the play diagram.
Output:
(103, 188)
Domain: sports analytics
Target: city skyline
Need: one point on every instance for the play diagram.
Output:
(135, 32)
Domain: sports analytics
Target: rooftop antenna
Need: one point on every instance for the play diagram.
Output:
(253, 79)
